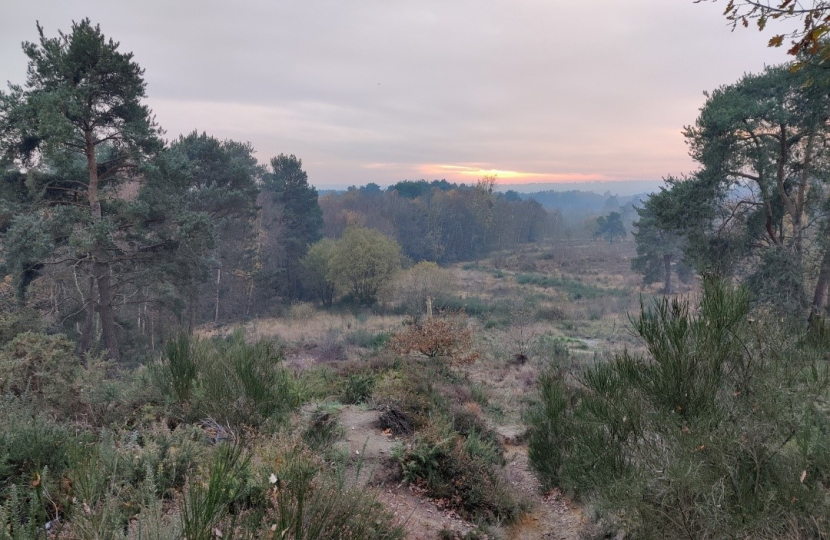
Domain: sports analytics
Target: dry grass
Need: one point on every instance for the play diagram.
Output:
(310, 329)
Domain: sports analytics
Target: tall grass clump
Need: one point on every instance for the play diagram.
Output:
(179, 365)
(207, 500)
(309, 504)
(720, 431)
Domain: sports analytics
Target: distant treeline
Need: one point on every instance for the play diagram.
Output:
(571, 205)
(440, 221)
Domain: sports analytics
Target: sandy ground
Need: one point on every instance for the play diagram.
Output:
(553, 516)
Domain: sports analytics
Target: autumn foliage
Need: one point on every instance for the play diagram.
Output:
(436, 338)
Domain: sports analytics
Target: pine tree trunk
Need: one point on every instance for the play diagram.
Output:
(822, 286)
(101, 266)
(89, 318)
(105, 310)
(667, 263)
(216, 300)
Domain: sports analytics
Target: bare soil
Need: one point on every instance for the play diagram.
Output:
(552, 516)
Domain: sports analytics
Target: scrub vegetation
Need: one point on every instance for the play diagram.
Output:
(196, 346)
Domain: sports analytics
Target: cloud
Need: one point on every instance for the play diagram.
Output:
(378, 91)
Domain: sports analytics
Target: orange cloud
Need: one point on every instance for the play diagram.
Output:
(462, 172)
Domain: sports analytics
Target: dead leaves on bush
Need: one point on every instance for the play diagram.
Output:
(437, 338)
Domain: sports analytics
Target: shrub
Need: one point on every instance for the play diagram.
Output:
(31, 441)
(229, 380)
(718, 432)
(436, 338)
(414, 287)
(322, 430)
(462, 472)
(307, 504)
(207, 500)
(167, 456)
(358, 387)
(41, 367)
(179, 363)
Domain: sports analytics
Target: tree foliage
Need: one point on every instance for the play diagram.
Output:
(317, 281)
(123, 229)
(610, 227)
(659, 248)
(718, 431)
(755, 208)
(813, 16)
(439, 221)
(299, 217)
(80, 115)
(415, 287)
(362, 262)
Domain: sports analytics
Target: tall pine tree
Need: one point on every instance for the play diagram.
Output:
(299, 219)
(80, 122)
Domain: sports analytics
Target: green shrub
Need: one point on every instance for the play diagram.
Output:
(461, 471)
(45, 370)
(721, 431)
(41, 367)
(31, 441)
(358, 387)
(166, 456)
(179, 367)
(409, 390)
(228, 380)
(22, 514)
(208, 499)
(322, 430)
(310, 505)
(16, 320)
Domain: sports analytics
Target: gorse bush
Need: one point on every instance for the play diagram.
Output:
(31, 441)
(720, 431)
(229, 380)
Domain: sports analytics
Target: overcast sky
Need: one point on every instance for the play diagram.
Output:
(384, 90)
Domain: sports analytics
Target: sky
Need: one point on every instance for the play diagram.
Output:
(532, 91)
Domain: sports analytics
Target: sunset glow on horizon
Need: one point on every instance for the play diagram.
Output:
(476, 171)
(359, 95)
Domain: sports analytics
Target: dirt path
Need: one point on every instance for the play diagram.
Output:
(552, 517)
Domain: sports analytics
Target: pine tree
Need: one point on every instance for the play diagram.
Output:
(81, 110)
(300, 219)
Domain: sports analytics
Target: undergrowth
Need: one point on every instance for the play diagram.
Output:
(720, 431)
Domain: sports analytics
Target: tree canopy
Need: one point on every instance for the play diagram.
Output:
(362, 262)
(610, 227)
(79, 124)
